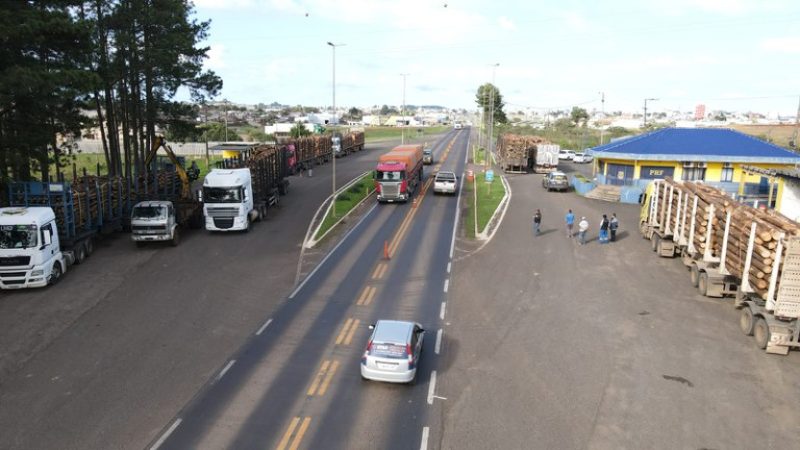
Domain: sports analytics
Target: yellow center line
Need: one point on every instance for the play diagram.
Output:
(317, 379)
(328, 378)
(286, 436)
(343, 333)
(378, 270)
(382, 271)
(300, 433)
(371, 294)
(349, 339)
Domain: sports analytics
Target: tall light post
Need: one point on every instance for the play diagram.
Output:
(602, 113)
(490, 134)
(645, 109)
(403, 112)
(333, 116)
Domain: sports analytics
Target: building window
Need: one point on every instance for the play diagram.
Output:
(727, 172)
(694, 173)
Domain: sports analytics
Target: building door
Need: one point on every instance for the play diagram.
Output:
(619, 174)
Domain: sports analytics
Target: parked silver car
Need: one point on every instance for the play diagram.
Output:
(555, 181)
(393, 351)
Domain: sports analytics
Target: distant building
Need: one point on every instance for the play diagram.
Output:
(700, 112)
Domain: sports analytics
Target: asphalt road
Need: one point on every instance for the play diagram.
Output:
(107, 358)
(555, 345)
(297, 381)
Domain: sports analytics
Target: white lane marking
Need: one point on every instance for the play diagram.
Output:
(446, 284)
(448, 267)
(441, 311)
(226, 369)
(438, 345)
(424, 444)
(432, 387)
(166, 434)
(322, 263)
(263, 327)
(458, 205)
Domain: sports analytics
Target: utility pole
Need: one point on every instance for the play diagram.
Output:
(403, 111)
(645, 109)
(333, 116)
(490, 135)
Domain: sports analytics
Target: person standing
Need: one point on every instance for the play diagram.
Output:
(603, 236)
(612, 227)
(570, 219)
(537, 222)
(583, 226)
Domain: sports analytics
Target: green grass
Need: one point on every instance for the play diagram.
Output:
(384, 133)
(89, 161)
(345, 202)
(469, 217)
(489, 197)
(479, 156)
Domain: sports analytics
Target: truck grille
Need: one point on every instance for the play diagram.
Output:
(148, 228)
(390, 190)
(5, 275)
(223, 212)
(223, 223)
(15, 261)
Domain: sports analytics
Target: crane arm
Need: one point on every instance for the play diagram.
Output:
(159, 142)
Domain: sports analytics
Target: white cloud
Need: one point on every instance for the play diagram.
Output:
(216, 59)
(575, 21)
(789, 44)
(506, 23)
(224, 4)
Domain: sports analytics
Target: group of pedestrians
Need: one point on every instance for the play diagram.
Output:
(608, 227)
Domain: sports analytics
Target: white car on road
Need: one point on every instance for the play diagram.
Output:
(445, 183)
(582, 158)
(566, 155)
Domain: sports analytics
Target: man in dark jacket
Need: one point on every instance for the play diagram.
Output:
(537, 222)
(612, 226)
(603, 237)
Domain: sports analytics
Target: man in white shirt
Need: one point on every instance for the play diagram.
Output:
(583, 226)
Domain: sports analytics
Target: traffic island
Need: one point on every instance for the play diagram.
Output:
(348, 198)
(488, 198)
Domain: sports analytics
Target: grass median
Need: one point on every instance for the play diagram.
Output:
(345, 202)
(489, 196)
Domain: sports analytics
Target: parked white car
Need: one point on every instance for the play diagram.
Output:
(566, 155)
(582, 158)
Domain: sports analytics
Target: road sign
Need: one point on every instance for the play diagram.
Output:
(489, 176)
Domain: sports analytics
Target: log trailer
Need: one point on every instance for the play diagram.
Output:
(731, 250)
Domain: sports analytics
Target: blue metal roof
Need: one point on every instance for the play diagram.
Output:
(696, 144)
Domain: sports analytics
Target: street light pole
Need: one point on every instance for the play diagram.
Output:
(490, 135)
(645, 109)
(333, 116)
(403, 113)
(602, 113)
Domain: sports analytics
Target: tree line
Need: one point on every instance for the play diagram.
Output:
(116, 65)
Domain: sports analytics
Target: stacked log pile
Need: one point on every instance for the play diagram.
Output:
(92, 194)
(512, 149)
(770, 226)
(322, 146)
(161, 185)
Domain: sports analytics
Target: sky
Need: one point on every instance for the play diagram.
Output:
(734, 55)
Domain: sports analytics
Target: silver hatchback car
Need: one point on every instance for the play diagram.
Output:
(393, 351)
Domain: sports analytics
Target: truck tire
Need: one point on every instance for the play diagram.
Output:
(747, 321)
(761, 333)
(89, 247)
(80, 253)
(655, 242)
(176, 238)
(694, 274)
(55, 274)
(702, 284)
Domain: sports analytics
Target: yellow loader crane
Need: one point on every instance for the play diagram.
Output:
(159, 219)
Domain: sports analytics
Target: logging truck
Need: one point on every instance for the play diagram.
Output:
(399, 173)
(731, 250)
(50, 226)
(241, 190)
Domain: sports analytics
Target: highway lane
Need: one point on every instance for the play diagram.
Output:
(129, 338)
(298, 381)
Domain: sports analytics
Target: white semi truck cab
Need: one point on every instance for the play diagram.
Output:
(228, 200)
(30, 251)
(154, 221)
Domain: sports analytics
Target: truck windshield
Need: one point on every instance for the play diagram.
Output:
(18, 236)
(149, 212)
(390, 176)
(222, 195)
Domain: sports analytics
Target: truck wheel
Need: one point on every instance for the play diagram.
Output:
(80, 253)
(55, 274)
(89, 247)
(702, 284)
(761, 333)
(747, 321)
(176, 238)
(655, 242)
(694, 274)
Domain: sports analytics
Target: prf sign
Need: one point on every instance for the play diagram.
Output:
(653, 172)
